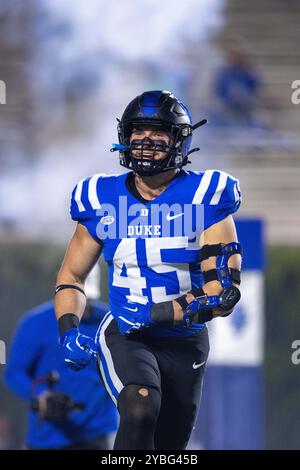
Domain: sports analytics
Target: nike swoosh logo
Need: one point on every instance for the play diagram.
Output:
(132, 309)
(196, 366)
(172, 217)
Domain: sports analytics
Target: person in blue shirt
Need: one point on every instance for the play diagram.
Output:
(66, 410)
(237, 85)
(169, 239)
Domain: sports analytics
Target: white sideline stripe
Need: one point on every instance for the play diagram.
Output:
(203, 187)
(220, 188)
(110, 365)
(92, 194)
(77, 196)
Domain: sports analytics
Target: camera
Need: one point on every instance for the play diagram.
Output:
(58, 404)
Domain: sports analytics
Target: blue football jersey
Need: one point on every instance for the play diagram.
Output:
(152, 248)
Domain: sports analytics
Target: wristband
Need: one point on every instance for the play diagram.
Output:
(66, 322)
(163, 313)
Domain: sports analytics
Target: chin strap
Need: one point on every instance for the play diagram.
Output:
(199, 124)
(194, 127)
(196, 149)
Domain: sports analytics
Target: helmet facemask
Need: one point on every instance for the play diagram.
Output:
(143, 154)
(145, 163)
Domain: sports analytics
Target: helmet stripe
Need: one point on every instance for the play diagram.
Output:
(151, 98)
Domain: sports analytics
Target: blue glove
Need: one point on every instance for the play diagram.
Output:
(133, 316)
(79, 349)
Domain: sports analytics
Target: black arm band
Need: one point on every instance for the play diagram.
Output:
(212, 275)
(66, 322)
(68, 286)
(182, 301)
(163, 312)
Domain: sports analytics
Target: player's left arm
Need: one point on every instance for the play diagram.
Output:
(221, 233)
(220, 254)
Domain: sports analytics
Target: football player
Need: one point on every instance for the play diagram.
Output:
(169, 240)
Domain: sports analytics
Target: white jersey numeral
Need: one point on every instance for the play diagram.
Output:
(125, 256)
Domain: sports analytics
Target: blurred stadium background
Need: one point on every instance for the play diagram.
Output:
(69, 68)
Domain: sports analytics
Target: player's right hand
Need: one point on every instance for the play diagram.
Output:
(78, 349)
